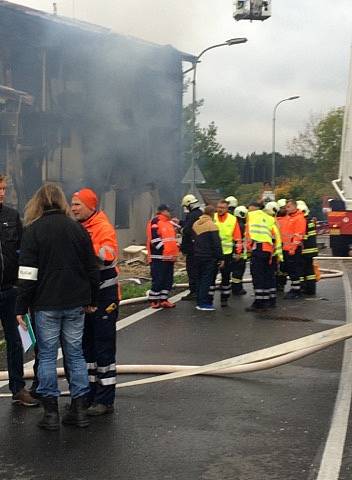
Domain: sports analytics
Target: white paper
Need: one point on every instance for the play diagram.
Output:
(25, 337)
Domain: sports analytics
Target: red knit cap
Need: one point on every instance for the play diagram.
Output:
(88, 197)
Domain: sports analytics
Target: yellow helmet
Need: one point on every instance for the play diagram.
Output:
(282, 202)
(232, 201)
(189, 200)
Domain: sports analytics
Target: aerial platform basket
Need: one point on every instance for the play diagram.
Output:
(251, 10)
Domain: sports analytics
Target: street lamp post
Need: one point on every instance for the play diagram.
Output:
(273, 139)
(232, 41)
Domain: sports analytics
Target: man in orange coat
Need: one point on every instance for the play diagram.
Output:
(163, 250)
(293, 228)
(99, 338)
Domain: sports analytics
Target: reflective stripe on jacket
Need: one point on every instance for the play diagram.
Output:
(310, 248)
(261, 228)
(293, 229)
(230, 233)
(104, 239)
(161, 239)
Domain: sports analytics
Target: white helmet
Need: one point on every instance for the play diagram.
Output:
(282, 202)
(272, 208)
(232, 201)
(189, 200)
(241, 211)
(303, 207)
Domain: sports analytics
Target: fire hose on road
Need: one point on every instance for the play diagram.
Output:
(254, 361)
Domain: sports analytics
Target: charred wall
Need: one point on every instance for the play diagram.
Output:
(107, 109)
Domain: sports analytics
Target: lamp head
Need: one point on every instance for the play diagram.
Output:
(235, 41)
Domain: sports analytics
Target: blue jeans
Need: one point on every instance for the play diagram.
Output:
(13, 340)
(67, 326)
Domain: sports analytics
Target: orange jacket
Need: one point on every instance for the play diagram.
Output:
(104, 239)
(161, 239)
(293, 229)
(103, 236)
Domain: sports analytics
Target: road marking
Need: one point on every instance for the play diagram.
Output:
(144, 313)
(119, 326)
(332, 456)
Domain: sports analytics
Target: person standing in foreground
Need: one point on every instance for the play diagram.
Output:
(261, 235)
(191, 205)
(162, 254)
(99, 339)
(207, 256)
(272, 209)
(239, 266)
(58, 278)
(310, 250)
(231, 241)
(293, 229)
(10, 239)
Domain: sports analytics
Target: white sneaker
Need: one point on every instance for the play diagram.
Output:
(206, 308)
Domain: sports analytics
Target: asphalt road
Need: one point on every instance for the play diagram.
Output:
(255, 426)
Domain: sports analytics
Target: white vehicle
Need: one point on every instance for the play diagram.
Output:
(340, 216)
(252, 9)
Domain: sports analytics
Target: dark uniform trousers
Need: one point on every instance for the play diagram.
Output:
(13, 341)
(191, 272)
(205, 271)
(273, 281)
(294, 268)
(238, 269)
(225, 287)
(309, 280)
(162, 273)
(99, 348)
(262, 273)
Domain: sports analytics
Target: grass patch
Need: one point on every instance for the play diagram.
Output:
(132, 290)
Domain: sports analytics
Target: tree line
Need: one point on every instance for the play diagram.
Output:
(305, 172)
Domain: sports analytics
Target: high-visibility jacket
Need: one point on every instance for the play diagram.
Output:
(277, 242)
(104, 239)
(293, 229)
(310, 248)
(230, 233)
(261, 229)
(161, 239)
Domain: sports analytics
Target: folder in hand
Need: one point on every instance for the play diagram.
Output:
(27, 336)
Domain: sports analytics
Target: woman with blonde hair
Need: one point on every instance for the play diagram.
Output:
(58, 280)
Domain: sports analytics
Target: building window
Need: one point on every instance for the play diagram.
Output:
(122, 209)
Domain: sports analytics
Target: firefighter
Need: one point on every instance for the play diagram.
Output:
(282, 205)
(310, 250)
(193, 211)
(293, 229)
(99, 338)
(230, 235)
(233, 203)
(261, 233)
(162, 253)
(272, 209)
(239, 267)
(281, 274)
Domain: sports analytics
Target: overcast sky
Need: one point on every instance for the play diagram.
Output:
(303, 49)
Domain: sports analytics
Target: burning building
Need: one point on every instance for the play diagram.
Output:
(83, 106)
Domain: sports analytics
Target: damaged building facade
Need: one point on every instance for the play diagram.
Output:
(82, 106)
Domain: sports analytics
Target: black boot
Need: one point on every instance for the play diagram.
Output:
(77, 414)
(50, 420)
